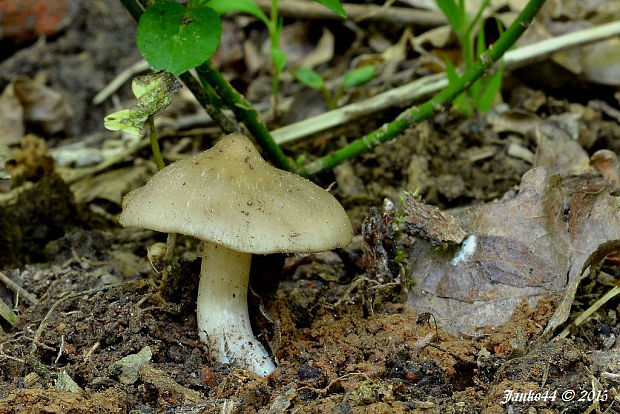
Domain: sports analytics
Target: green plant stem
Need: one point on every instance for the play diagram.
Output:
(246, 112)
(434, 105)
(133, 8)
(210, 102)
(331, 104)
(159, 160)
(274, 36)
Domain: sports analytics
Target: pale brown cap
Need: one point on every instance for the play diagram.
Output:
(231, 196)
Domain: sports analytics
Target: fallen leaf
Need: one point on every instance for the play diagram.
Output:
(42, 105)
(11, 116)
(111, 185)
(534, 246)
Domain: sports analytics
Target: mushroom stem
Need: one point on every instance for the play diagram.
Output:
(222, 310)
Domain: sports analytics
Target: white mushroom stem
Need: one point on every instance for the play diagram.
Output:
(222, 310)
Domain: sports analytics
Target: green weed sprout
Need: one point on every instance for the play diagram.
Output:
(154, 92)
(480, 95)
(177, 38)
(353, 78)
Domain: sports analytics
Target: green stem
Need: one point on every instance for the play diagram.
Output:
(133, 8)
(331, 104)
(246, 112)
(210, 102)
(434, 105)
(274, 36)
(159, 160)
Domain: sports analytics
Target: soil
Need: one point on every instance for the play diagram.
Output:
(342, 339)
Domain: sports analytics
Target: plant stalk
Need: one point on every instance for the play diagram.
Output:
(159, 160)
(274, 36)
(210, 102)
(434, 105)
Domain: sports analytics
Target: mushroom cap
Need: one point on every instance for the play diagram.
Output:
(229, 195)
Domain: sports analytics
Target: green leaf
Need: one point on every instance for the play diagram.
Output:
(244, 6)
(125, 120)
(176, 39)
(154, 91)
(7, 313)
(462, 103)
(476, 89)
(454, 12)
(494, 84)
(310, 78)
(335, 6)
(451, 72)
(359, 76)
(279, 59)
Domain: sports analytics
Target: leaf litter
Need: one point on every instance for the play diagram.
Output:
(336, 324)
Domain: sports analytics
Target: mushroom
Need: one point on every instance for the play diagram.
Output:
(238, 204)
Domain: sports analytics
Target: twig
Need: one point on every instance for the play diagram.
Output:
(588, 312)
(29, 297)
(434, 105)
(119, 80)
(392, 15)
(427, 86)
(133, 8)
(324, 390)
(61, 349)
(159, 161)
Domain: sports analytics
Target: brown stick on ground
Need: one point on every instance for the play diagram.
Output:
(391, 15)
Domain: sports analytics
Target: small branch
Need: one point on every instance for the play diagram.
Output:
(119, 80)
(133, 8)
(246, 112)
(392, 15)
(28, 297)
(437, 103)
(593, 308)
(429, 85)
(159, 160)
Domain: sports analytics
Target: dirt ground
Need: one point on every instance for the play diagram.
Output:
(343, 339)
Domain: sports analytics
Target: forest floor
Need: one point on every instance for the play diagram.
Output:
(357, 329)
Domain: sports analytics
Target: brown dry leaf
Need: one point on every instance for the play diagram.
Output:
(607, 163)
(11, 117)
(323, 52)
(430, 223)
(111, 185)
(42, 106)
(598, 62)
(556, 150)
(531, 247)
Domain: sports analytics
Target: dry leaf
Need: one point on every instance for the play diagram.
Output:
(531, 247)
(111, 185)
(11, 117)
(42, 106)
